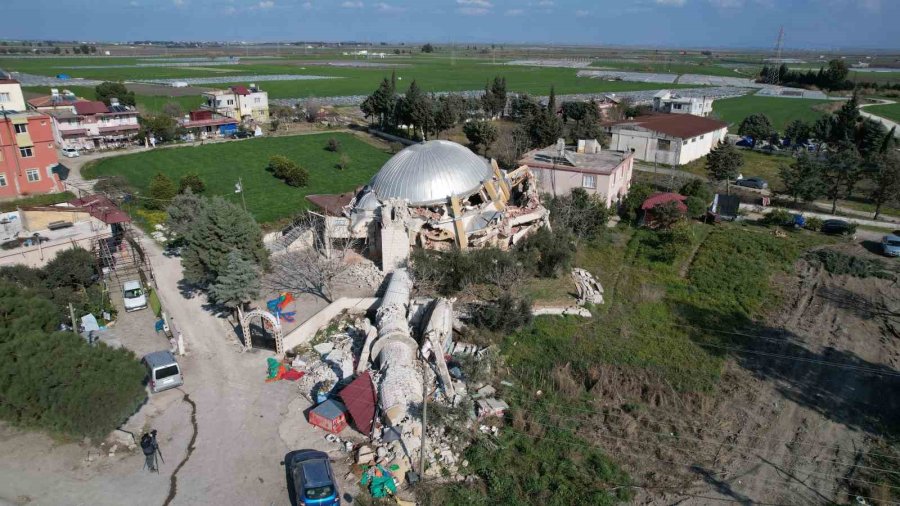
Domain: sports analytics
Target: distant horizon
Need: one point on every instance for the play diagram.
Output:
(810, 25)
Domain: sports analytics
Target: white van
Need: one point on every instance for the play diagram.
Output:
(164, 372)
(134, 296)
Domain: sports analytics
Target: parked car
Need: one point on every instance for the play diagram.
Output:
(313, 480)
(134, 296)
(241, 134)
(753, 182)
(838, 227)
(890, 244)
(163, 371)
(70, 152)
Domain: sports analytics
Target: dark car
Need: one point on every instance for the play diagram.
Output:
(313, 481)
(753, 182)
(240, 134)
(838, 227)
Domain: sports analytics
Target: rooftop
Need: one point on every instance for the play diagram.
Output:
(52, 101)
(603, 162)
(682, 126)
(90, 107)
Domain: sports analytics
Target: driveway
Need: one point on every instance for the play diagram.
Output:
(223, 434)
(884, 121)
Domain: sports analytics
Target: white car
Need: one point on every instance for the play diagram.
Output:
(134, 296)
(70, 152)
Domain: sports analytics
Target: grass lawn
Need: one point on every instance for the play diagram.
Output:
(780, 111)
(36, 200)
(703, 68)
(756, 164)
(146, 103)
(889, 111)
(268, 199)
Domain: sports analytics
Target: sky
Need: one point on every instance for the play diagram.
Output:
(808, 24)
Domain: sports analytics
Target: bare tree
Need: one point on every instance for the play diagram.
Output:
(314, 266)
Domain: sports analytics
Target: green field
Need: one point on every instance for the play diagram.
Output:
(268, 199)
(780, 111)
(889, 111)
(703, 68)
(145, 103)
(443, 73)
(756, 164)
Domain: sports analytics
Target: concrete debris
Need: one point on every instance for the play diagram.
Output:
(589, 289)
(438, 333)
(464, 349)
(363, 274)
(561, 311)
(485, 391)
(490, 407)
(365, 456)
(324, 349)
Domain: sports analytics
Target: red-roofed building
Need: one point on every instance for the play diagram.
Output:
(55, 101)
(90, 124)
(239, 102)
(27, 155)
(672, 139)
(205, 124)
(658, 199)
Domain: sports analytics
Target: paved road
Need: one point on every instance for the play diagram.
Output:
(884, 121)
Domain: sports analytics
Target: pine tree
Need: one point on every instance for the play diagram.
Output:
(238, 284)
(724, 163)
(161, 192)
(803, 178)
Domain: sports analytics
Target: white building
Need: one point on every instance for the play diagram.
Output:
(11, 99)
(239, 102)
(668, 102)
(93, 125)
(672, 139)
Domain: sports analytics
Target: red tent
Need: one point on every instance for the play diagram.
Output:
(359, 397)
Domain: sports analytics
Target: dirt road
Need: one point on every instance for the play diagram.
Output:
(225, 431)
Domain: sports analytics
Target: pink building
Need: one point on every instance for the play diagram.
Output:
(93, 125)
(603, 173)
(27, 155)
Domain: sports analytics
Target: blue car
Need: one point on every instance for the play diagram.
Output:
(890, 245)
(312, 478)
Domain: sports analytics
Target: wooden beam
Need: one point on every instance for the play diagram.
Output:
(461, 240)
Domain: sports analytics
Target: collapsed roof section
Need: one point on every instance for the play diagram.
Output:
(439, 195)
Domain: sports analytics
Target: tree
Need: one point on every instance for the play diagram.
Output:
(509, 147)
(333, 145)
(494, 99)
(163, 128)
(803, 178)
(428, 48)
(191, 181)
(220, 228)
(696, 188)
(666, 215)
(238, 284)
(288, 171)
(161, 191)
(173, 110)
(798, 131)
(447, 113)
(184, 211)
(582, 213)
(836, 73)
(551, 101)
(586, 119)
(382, 103)
(724, 163)
(107, 90)
(313, 269)
(885, 175)
(631, 204)
(758, 126)
(75, 267)
(480, 133)
(840, 173)
(343, 162)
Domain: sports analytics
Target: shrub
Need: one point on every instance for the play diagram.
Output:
(836, 262)
(778, 217)
(113, 186)
(549, 253)
(583, 214)
(71, 268)
(631, 204)
(193, 182)
(696, 206)
(507, 313)
(813, 223)
(288, 171)
(343, 162)
(161, 191)
(333, 145)
(696, 188)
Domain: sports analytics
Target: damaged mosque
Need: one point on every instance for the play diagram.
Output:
(435, 195)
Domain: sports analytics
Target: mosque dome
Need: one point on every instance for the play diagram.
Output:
(431, 172)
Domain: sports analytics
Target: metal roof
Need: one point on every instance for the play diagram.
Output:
(430, 173)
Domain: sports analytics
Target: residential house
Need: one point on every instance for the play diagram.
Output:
(667, 102)
(672, 139)
(94, 125)
(239, 102)
(560, 169)
(11, 98)
(55, 101)
(28, 155)
(204, 124)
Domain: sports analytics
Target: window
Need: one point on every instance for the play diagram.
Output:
(676, 107)
(257, 100)
(589, 182)
(33, 175)
(2, 180)
(22, 128)
(4, 97)
(26, 152)
(166, 372)
(230, 102)
(663, 144)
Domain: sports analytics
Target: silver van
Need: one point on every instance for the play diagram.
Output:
(164, 371)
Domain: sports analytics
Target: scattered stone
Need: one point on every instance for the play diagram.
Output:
(589, 289)
(324, 349)
(485, 391)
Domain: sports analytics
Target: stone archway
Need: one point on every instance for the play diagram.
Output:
(266, 317)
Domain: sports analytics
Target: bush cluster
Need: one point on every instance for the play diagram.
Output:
(507, 313)
(836, 262)
(288, 171)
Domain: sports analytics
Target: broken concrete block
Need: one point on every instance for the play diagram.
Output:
(485, 391)
(365, 456)
(324, 349)
(589, 290)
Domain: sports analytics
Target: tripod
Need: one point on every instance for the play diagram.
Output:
(152, 454)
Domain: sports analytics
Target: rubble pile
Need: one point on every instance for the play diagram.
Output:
(364, 274)
(589, 289)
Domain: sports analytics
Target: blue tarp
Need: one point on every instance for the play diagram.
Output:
(228, 129)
